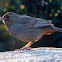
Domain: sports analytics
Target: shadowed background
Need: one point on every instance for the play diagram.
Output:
(50, 10)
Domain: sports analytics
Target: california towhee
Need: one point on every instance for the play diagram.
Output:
(28, 29)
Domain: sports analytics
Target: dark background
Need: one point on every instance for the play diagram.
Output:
(50, 10)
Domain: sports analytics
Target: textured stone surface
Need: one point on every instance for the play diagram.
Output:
(34, 55)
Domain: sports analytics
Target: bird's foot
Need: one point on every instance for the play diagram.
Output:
(28, 48)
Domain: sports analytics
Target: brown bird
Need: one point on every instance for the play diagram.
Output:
(28, 29)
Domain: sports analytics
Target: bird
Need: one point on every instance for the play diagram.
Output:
(26, 28)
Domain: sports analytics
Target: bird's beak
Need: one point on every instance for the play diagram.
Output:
(1, 18)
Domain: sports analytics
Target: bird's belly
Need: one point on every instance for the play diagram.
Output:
(28, 34)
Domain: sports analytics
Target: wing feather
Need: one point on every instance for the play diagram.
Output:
(42, 23)
(35, 22)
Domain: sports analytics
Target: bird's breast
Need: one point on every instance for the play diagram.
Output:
(25, 34)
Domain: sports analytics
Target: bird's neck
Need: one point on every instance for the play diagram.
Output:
(8, 24)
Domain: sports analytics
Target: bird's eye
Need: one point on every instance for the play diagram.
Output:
(7, 16)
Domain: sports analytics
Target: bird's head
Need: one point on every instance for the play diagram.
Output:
(9, 18)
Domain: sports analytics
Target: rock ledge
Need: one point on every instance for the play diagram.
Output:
(34, 55)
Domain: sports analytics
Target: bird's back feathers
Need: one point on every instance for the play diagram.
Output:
(34, 22)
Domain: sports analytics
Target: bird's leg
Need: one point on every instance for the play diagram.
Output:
(26, 47)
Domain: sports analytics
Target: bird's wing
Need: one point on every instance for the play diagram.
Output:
(42, 23)
(35, 22)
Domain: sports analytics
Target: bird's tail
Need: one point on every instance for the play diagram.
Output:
(57, 29)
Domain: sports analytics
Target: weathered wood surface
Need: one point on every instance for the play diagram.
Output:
(34, 55)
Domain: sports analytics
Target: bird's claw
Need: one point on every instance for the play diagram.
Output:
(28, 48)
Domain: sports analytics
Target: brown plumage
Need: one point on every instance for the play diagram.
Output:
(28, 29)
